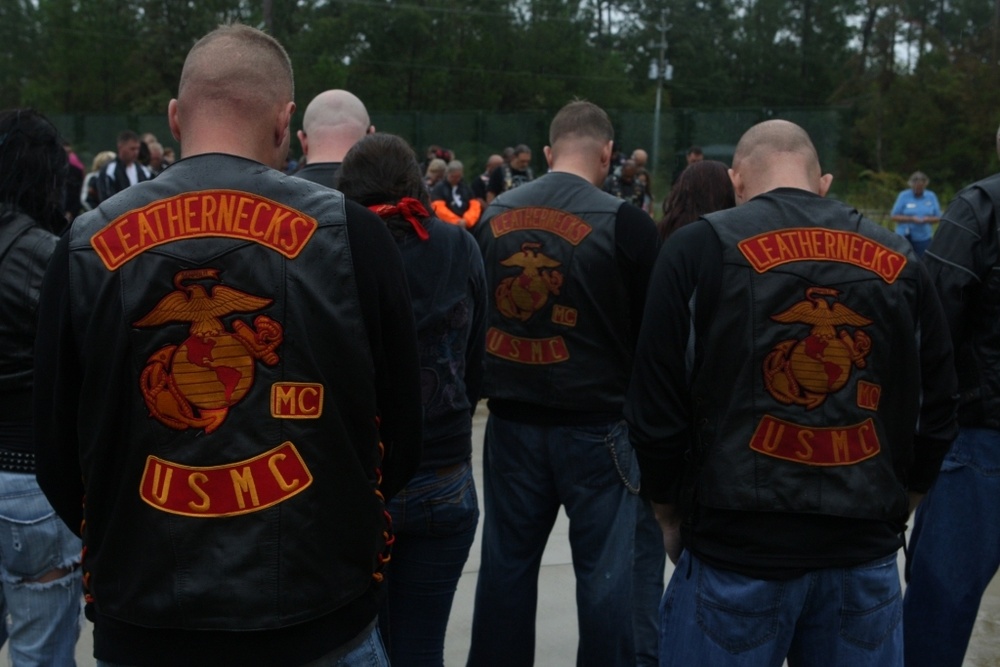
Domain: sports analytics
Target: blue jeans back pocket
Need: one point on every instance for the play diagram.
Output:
(739, 613)
(873, 605)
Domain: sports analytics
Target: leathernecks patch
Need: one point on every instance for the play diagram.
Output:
(225, 490)
(208, 213)
(193, 384)
(771, 249)
(804, 371)
(539, 218)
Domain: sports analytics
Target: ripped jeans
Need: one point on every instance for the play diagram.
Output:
(42, 620)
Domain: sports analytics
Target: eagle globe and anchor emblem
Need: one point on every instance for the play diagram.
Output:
(521, 296)
(803, 372)
(193, 384)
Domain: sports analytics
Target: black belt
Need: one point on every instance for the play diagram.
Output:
(13, 461)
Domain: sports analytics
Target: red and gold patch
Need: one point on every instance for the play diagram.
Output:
(803, 372)
(193, 384)
(526, 350)
(810, 445)
(771, 249)
(296, 400)
(225, 490)
(564, 225)
(219, 213)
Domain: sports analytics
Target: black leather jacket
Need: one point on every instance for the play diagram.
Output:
(25, 250)
(964, 262)
(558, 324)
(226, 405)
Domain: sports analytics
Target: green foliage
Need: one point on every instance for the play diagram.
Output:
(918, 76)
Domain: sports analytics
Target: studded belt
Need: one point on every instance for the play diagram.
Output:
(14, 461)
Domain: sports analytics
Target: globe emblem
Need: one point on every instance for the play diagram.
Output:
(213, 371)
(821, 366)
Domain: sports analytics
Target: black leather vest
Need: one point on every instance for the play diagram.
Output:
(808, 393)
(233, 390)
(558, 321)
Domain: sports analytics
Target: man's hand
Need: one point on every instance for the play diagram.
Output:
(670, 523)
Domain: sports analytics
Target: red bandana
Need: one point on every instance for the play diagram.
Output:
(410, 209)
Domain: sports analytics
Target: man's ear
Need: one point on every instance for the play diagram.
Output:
(304, 142)
(825, 181)
(739, 187)
(283, 124)
(172, 120)
(548, 155)
(606, 153)
(371, 129)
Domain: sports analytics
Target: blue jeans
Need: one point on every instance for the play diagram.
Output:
(44, 617)
(837, 617)
(530, 471)
(368, 652)
(434, 519)
(647, 578)
(954, 551)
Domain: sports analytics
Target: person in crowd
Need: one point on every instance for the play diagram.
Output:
(640, 157)
(626, 185)
(452, 199)
(511, 174)
(231, 382)
(644, 177)
(125, 170)
(89, 196)
(793, 396)
(435, 516)
(334, 121)
(74, 183)
(691, 155)
(435, 173)
(168, 156)
(704, 187)
(40, 589)
(567, 267)
(481, 184)
(156, 165)
(954, 549)
(915, 211)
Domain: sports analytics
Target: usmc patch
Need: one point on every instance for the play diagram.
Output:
(193, 384)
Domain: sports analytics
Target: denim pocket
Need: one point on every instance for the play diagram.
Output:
(455, 509)
(738, 613)
(872, 605)
(33, 540)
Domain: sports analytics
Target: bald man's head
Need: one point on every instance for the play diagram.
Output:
(236, 70)
(774, 140)
(334, 121)
(776, 154)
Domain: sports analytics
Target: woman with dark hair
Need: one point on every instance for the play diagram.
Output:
(39, 557)
(434, 518)
(703, 187)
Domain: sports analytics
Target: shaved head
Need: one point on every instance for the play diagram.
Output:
(776, 154)
(236, 69)
(334, 121)
(773, 140)
(235, 96)
(336, 108)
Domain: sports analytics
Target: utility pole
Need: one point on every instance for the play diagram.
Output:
(661, 74)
